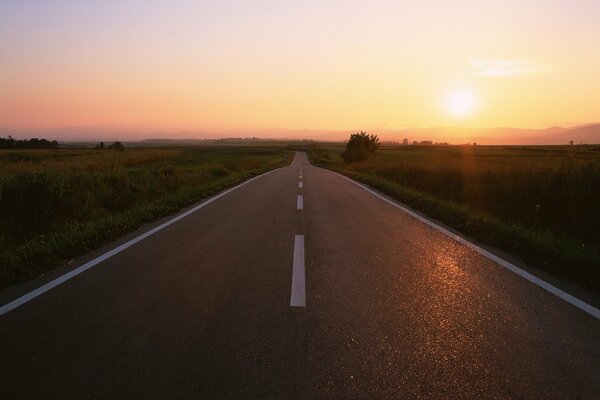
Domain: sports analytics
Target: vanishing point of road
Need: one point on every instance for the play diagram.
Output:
(296, 285)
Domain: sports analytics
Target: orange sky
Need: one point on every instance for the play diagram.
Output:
(137, 67)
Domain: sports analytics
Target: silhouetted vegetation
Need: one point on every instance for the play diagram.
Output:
(361, 146)
(541, 202)
(118, 146)
(59, 204)
(34, 143)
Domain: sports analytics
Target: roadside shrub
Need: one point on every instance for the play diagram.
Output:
(360, 147)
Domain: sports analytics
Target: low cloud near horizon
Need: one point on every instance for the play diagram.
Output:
(507, 68)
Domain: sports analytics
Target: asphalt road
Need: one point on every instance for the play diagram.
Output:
(393, 309)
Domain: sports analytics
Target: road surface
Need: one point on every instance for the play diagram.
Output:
(266, 294)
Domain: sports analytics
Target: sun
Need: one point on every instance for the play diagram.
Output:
(460, 103)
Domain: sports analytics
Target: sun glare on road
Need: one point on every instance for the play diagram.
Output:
(459, 103)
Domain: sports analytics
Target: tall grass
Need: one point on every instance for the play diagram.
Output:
(542, 203)
(58, 210)
(563, 198)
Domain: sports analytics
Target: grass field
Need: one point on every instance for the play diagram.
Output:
(539, 202)
(57, 204)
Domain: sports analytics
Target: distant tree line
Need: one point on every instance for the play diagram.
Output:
(34, 143)
(118, 146)
(406, 142)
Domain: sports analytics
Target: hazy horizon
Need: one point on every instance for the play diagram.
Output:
(451, 135)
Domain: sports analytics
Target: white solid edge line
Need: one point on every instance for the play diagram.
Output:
(300, 202)
(300, 184)
(524, 274)
(63, 278)
(298, 295)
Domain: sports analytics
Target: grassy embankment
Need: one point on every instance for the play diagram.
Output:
(540, 203)
(58, 204)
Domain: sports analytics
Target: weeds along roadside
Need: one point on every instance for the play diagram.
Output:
(568, 253)
(50, 217)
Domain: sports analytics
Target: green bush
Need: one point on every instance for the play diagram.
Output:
(361, 146)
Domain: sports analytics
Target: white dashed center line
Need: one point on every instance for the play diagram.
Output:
(300, 202)
(298, 297)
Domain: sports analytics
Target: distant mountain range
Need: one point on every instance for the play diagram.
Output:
(586, 134)
(589, 134)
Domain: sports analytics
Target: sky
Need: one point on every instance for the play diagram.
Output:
(221, 68)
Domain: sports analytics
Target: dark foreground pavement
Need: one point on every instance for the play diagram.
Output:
(394, 309)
